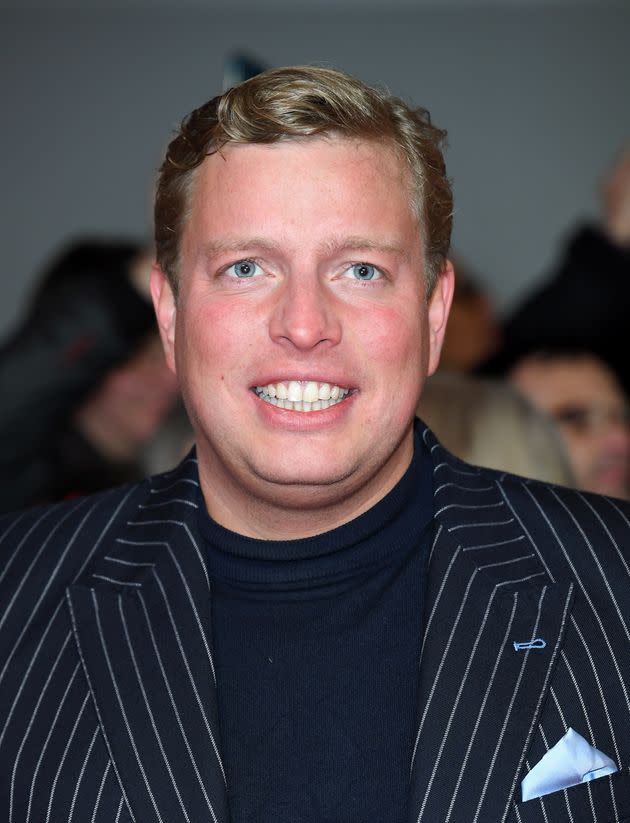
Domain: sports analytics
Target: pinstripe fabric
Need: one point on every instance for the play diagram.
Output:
(55, 762)
(517, 560)
(107, 682)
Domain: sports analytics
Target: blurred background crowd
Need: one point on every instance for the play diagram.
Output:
(534, 378)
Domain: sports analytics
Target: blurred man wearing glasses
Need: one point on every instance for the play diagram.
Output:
(582, 394)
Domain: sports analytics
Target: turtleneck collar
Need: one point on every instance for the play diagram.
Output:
(351, 550)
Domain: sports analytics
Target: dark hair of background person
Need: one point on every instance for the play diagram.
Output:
(584, 302)
(88, 316)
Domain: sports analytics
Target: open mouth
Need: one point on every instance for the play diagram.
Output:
(302, 395)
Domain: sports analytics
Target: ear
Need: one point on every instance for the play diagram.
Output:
(165, 311)
(439, 308)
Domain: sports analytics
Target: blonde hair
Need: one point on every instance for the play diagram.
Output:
(487, 423)
(297, 103)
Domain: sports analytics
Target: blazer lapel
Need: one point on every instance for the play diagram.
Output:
(141, 619)
(480, 695)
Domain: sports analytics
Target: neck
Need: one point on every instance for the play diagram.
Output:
(295, 512)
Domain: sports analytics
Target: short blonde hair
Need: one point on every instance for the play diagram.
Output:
(487, 423)
(298, 103)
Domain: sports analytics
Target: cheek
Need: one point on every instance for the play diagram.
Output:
(396, 339)
(213, 339)
(582, 449)
(395, 352)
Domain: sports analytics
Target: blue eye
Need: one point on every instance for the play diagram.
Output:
(364, 271)
(243, 269)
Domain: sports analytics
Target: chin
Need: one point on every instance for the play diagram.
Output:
(291, 478)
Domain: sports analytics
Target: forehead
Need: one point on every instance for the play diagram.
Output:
(582, 380)
(304, 178)
(374, 151)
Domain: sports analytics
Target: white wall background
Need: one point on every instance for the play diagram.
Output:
(536, 99)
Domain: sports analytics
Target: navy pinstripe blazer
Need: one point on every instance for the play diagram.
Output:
(107, 685)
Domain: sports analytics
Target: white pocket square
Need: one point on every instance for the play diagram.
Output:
(571, 761)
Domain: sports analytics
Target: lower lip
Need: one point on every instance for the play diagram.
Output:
(300, 420)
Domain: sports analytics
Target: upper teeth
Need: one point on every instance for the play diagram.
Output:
(302, 395)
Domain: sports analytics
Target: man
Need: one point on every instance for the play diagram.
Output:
(322, 616)
(581, 393)
(584, 300)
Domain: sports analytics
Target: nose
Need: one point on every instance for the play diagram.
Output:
(305, 315)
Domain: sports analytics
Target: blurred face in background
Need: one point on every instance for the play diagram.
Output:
(472, 333)
(125, 411)
(584, 398)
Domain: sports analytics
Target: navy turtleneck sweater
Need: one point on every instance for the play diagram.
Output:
(316, 647)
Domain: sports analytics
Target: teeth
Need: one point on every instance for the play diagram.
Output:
(294, 392)
(304, 396)
(310, 392)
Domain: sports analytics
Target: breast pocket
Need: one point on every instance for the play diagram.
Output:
(605, 800)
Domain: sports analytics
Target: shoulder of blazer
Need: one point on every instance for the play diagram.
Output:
(46, 549)
(568, 528)
(69, 524)
(579, 535)
(59, 528)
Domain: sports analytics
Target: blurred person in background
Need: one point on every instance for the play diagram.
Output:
(585, 302)
(473, 331)
(487, 423)
(83, 380)
(171, 442)
(586, 401)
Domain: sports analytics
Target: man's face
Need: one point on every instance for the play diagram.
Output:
(586, 401)
(301, 335)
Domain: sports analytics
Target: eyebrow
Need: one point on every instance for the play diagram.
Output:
(358, 243)
(330, 247)
(215, 247)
